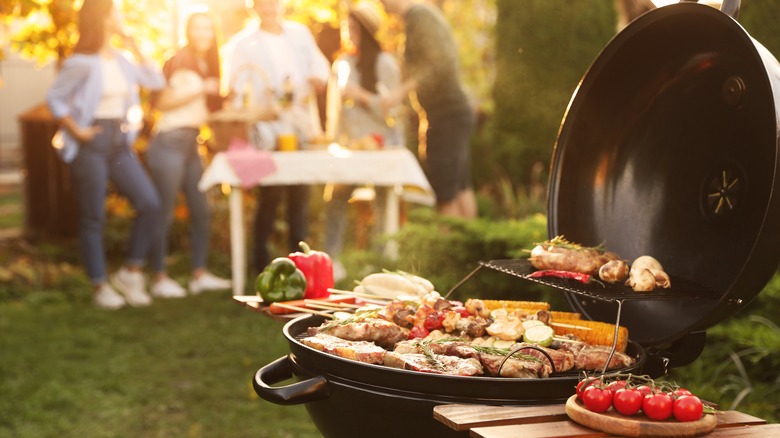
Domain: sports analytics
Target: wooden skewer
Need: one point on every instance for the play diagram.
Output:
(331, 306)
(304, 310)
(358, 294)
(322, 307)
(570, 326)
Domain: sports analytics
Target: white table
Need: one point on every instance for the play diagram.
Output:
(394, 168)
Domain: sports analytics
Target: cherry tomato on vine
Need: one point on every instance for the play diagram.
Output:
(688, 408)
(657, 406)
(679, 392)
(615, 385)
(627, 401)
(584, 384)
(597, 399)
(644, 389)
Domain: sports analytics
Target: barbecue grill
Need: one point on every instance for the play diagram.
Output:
(668, 148)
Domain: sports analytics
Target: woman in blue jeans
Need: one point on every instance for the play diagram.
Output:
(95, 101)
(173, 160)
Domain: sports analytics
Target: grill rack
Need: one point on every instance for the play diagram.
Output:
(681, 289)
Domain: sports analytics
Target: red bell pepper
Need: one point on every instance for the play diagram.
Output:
(317, 268)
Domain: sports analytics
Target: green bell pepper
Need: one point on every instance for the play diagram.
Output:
(281, 280)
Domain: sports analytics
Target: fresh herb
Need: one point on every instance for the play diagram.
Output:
(561, 242)
(480, 349)
(360, 315)
(505, 351)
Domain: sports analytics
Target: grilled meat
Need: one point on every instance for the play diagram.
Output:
(567, 258)
(381, 332)
(433, 363)
(361, 351)
(593, 357)
(460, 349)
(562, 359)
(529, 368)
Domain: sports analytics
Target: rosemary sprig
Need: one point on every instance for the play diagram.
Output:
(505, 351)
(560, 241)
(359, 316)
(486, 350)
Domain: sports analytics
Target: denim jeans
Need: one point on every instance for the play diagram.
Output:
(175, 165)
(108, 157)
(269, 198)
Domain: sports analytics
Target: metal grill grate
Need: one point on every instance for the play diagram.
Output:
(681, 288)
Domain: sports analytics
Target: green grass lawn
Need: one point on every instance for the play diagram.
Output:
(183, 368)
(179, 368)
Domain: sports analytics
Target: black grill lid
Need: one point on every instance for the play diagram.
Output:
(669, 149)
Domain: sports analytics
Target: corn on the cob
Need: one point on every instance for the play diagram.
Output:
(592, 332)
(528, 306)
(556, 315)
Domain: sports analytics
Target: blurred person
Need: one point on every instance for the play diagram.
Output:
(95, 101)
(279, 66)
(193, 75)
(360, 75)
(432, 71)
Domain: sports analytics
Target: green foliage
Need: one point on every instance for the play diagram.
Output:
(760, 18)
(446, 250)
(543, 48)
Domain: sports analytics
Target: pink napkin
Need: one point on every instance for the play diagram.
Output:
(251, 165)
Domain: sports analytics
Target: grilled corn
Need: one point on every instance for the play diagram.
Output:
(592, 332)
(509, 305)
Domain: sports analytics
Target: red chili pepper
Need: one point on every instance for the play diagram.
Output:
(317, 268)
(582, 278)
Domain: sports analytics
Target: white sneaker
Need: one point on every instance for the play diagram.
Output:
(107, 298)
(167, 288)
(132, 286)
(208, 281)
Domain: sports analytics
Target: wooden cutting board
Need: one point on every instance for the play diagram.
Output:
(639, 426)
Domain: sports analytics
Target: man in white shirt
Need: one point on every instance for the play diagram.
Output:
(278, 65)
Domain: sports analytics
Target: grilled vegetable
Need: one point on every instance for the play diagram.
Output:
(646, 274)
(578, 276)
(592, 332)
(541, 335)
(389, 285)
(556, 315)
(506, 326)
(528, 306)
(614, 271)
(281, 280)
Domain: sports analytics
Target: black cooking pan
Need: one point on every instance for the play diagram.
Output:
(669, 149)
(349, 398)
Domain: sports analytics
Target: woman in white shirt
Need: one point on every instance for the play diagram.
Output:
(95, 101)
(174, 162)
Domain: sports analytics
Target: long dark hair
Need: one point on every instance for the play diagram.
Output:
(185, 58)
(212, 56)
(368, 52)
(92, 25)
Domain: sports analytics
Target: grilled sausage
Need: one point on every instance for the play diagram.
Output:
(557, 258)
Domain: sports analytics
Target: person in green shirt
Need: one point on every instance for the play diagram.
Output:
(431, 69)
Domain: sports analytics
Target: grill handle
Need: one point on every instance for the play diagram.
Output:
(305, 391)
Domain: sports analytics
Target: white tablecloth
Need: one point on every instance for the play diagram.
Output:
(396, 168)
